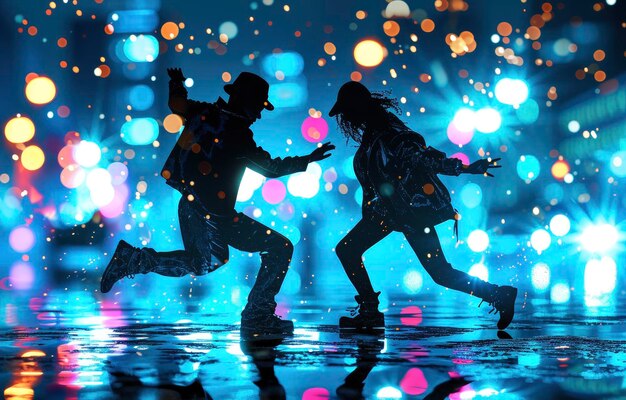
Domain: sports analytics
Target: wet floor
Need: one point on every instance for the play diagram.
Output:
(430, 349)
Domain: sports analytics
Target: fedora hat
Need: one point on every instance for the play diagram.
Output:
(251, 86)
(353, 95)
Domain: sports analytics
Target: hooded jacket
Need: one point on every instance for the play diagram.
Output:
(398, 173)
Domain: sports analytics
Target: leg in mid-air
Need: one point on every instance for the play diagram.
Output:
(276, 250)
(350, 251)
(425, 242)
(201, 237)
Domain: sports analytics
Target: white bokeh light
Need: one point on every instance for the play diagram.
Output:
(540, 240)
(560, 225)
(478, 240)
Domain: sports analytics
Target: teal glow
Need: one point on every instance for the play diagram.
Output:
(140, 131)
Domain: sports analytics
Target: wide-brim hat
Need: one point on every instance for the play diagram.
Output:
(252, 87)
(353, 95)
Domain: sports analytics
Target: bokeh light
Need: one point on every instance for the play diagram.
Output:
(471, 195)
(560, 293)
(141, 48)
(86, 153)
(19, 130)
(169, 30)
(22, 275)
(540, 276)
(478, 240)
(599, 238)
(22, 239)
(173, 123)
(314, 130)
(229, 29)
(40, 90)
(32, 158)
(480, 271)
(397, 9)
(369, 53)
(412, 281)
(140, 131)
(540, 240)
(560, 169)
(511, 91)
(528, 167)
(618, 163)
(560, 225)
(600, 278)
(274, 191)
(487, 120)
(305, 184)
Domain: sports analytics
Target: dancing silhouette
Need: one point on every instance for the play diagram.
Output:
(402, 192)
(206, 165)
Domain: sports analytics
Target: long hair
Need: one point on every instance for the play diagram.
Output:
(382, 106)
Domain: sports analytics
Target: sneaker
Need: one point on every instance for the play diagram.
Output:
(365, 317)
(118, 267)
(503, 301)
(263, 325)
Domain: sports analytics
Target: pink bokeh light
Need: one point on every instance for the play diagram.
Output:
(118, 204)
(22, 239)
(464, 159)
(314, 130)
(458, 136)
(274, 191)
(414, 382)
(316, 393)
(22, 275)
(412, 316)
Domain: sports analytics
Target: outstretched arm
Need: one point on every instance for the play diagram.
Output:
(262, 162)
(178, 102)
(428, 158)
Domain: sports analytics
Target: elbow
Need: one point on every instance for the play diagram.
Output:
(177, 105)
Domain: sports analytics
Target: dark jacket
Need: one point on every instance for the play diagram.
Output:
(213, 151)
(398, 174)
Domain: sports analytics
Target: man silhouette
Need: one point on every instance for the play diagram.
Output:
(206, 166)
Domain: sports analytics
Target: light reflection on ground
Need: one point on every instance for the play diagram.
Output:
(428, 351)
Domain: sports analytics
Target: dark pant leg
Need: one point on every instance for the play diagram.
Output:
(427, 247)
(350, 251)
(276, 250)
(199, 235)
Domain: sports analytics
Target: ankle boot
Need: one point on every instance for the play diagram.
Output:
(365, 316)
(502, 299)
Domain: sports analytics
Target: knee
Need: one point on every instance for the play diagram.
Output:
(344, 252)
(203, 265)
(281, 246)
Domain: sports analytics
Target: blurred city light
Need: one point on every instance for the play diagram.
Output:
(511, 91)
(540, 240)
(480, 271)
(560, 293)
(599, 238)
(487, 120)
(528, 167)
(478, 240)
(540, 276)
(600, 279)
(560, 225)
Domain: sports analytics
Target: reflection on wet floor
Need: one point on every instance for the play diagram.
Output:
(430, 351)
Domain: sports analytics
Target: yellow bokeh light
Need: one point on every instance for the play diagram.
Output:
(172, 123)
(169, 30)
(32, 158)
(40, 90)
(19, 130)
(330, 48)
(560, 169)
(369, 53)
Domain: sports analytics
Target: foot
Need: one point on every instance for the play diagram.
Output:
(503, 301)
(264, 325)
(118, 267)
(363, 322)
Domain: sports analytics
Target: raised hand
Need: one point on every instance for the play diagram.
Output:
(176, 74)
(480, 167)
(320, 153)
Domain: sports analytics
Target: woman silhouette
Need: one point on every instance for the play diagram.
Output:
(401, 192)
